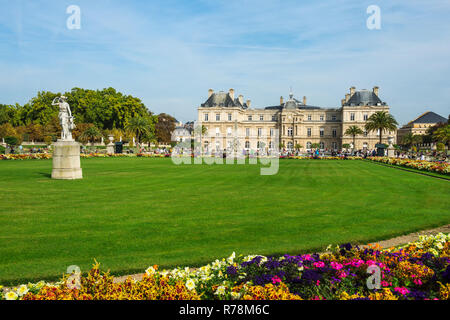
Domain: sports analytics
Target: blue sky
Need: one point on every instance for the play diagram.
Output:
(169, 53)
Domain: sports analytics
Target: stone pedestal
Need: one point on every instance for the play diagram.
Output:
(391, 152)
(66, 160)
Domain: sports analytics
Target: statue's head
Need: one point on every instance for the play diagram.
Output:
(63, 98)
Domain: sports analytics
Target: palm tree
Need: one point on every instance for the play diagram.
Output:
(381, 120)
(91, 133)
(140, 127)
(353, 131)
(443, 135)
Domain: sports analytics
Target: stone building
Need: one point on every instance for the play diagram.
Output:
(299, 124)
(420, 125)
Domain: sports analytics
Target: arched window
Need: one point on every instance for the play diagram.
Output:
(247, 144)
(308, 145)
(322, 145)
(290, 145)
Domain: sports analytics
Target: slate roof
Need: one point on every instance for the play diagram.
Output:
(429, 117)
(222, 99)
(363, 98)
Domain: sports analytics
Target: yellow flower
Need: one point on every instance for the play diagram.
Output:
(190, 284)
(22, 290)
(11, 296)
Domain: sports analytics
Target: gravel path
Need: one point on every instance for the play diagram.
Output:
(384, 244)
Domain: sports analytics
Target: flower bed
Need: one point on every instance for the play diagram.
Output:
(25, 156)
(437, 167)
(34, 156)
(417, 271)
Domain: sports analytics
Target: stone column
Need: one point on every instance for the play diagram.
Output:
(66, 160)
(391, 149)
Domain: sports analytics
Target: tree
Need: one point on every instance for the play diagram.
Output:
(140, 126)
(353, 131)
(11, 141)
(298, 146)
(164, 127)
(382, 121)
(443, 135)
(92, 133)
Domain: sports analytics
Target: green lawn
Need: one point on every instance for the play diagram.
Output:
(130, 213)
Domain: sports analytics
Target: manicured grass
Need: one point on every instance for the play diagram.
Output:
(130, 213)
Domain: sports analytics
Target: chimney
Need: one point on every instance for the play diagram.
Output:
(281, 101)
(352, 91)
(241, 99)
(304, 100)
(248, 103)
(231, 93)
(347, 97)
(375, 90)
(210, 92)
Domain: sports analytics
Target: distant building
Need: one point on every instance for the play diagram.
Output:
(183, 132)
(420, 125)
(298, 123)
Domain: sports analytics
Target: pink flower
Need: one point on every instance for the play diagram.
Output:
(319, 264)
(276, 280)
(401, 290)
(418, 282)
(336, 265)
(385, 284)
(307, 257)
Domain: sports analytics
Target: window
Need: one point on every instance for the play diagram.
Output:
(249, 118)
(206, 145)
(206, 116)
(352, 117)
(229, 117)
(333, 117)
(365, 133)
(322, 145)
(261, 117)
(309, 117)
(274, 118)
(270, 145)
(271, 132)
(322, 132)
(365, 145)
(290, 131)
(259, 132)
(334, 145)
(321, 117)
(247, 144)
(366, 116)
(334, 132)
(290, 145)
(217, 116)
(229, 131)
(247, 132)
(308, 145)
(217, 132)
(308, 132)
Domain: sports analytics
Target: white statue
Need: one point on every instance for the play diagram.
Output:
(65, 117)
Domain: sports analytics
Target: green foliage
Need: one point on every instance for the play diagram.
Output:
(2, 150)
(11, 141)
(164, 127)
(381, 120)
(141, 127)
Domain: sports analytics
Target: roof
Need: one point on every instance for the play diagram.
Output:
(222, 99)
(363, 98)
(429, 117)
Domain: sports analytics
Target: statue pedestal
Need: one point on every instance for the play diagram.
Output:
(110, 148)
(391, 152)
(66, 160)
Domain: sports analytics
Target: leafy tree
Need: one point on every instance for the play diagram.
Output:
(346, 146)
(315, 145)
(353, 131)
(12, 141)
(381, 120)
(164, 127)
(6, 130)
(298, 146)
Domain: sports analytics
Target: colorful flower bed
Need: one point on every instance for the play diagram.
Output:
(34, 156)
(438, 167)
(417, 271)
(26, 156)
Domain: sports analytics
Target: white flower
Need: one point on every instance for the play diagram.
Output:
(190, 284)
(235, 295)
(11, 296)
(22, 290)
(220, 290)
(230, 259)
(150, 271)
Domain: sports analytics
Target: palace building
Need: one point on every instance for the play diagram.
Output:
(420, 125)
(299, 124)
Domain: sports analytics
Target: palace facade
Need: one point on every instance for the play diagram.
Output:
(299, 124)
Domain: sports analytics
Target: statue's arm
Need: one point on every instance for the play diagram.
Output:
(68, 109)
